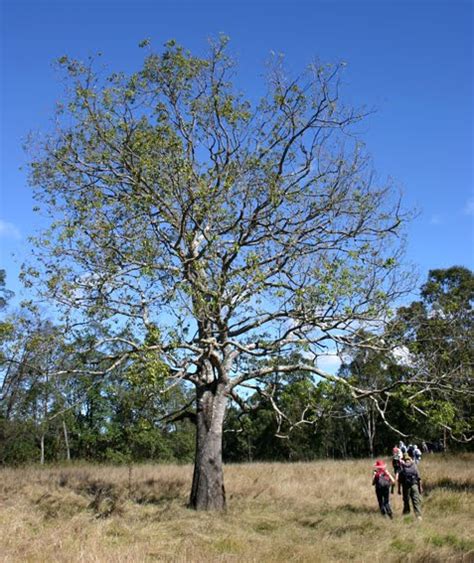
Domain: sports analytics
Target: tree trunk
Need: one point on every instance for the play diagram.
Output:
(207, 492)
(370, 433)
(66, 441)
(371, 446)
(42, 449)
(369, 420)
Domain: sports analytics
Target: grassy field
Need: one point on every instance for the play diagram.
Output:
(321, 511)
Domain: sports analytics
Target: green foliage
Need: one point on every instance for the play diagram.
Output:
(439, 333)
(5, 294)
(17, 442)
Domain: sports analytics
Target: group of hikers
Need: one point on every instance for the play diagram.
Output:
(405, 461)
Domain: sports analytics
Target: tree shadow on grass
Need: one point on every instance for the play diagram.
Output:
(149, 491)
(356, 509)
(449, 485)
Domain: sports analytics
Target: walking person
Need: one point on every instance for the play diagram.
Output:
(409, 482)
(416, 455)
(383, 481)
(396, 460)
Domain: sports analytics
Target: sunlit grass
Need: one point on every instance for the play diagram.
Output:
(322, 511)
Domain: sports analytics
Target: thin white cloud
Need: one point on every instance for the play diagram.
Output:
(469, 207)
(8, 230)
(436, 219)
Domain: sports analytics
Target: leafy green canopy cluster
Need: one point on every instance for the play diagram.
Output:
(209, 230)
(438, 333)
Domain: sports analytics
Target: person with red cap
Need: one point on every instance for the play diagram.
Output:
(382, 480)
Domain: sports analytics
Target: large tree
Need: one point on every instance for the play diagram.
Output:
(219, 233)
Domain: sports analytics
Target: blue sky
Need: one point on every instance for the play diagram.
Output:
(411, 59)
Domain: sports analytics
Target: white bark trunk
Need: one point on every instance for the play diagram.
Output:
(66, 441)
(208, 492)
(42, 449)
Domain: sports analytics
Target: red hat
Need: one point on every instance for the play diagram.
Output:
(380, 464)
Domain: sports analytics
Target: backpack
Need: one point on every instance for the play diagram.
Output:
(382, 480)
(410, 475)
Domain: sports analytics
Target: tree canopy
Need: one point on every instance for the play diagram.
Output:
(210, 235)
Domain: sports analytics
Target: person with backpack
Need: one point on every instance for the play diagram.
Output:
(396, 459)
(409, 482)
(416, 455)
(383, 481)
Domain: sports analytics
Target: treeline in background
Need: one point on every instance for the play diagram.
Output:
(57, 404)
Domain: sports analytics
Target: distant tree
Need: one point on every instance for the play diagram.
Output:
(6, 328)
(213, 230)
(376, 367)
(280, 420)
(260, 434)
(137, 427)
(438, 334)
(30, 391)
(17, 443)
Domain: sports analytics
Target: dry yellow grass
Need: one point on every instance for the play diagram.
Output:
(321, 511)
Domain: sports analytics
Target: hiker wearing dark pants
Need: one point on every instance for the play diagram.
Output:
(383, 481)
(410, 482)
(383, 496)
